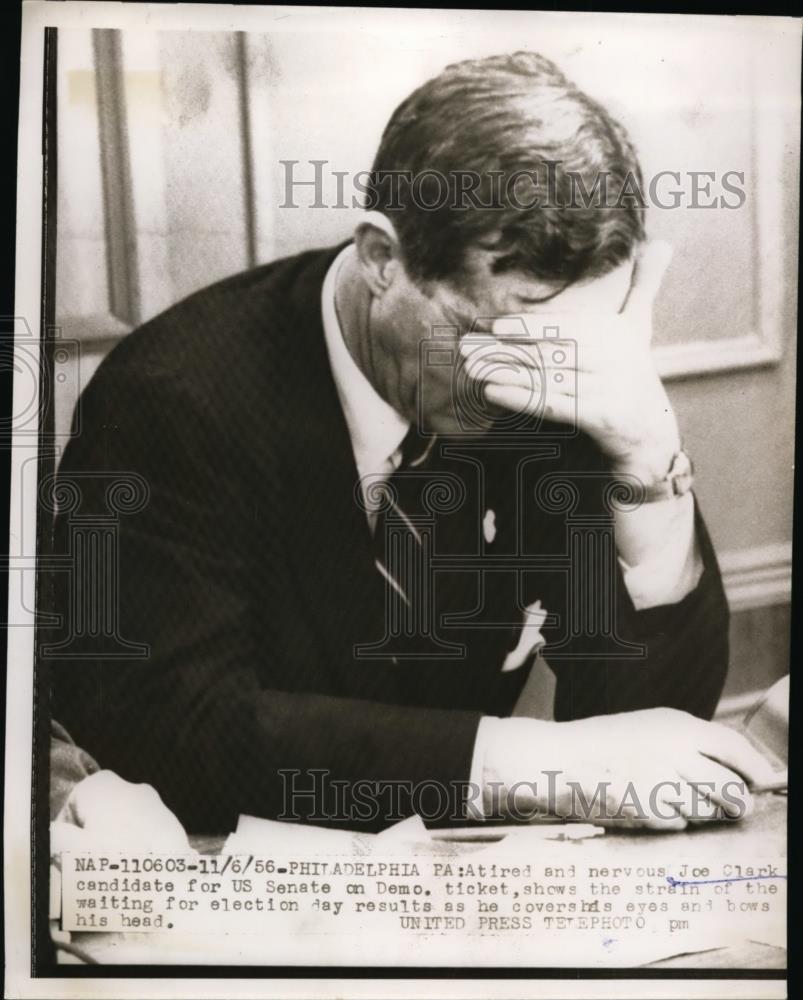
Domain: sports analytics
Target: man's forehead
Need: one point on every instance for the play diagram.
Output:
(515, 292)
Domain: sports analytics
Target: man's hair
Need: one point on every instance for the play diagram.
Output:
(524, 132)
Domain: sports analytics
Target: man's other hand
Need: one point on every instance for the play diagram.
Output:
(657, 769)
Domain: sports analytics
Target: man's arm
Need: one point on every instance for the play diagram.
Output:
(630, 745)
(195, 718)
(664, 565)
(615, 713)
(686, 651)
(616, 398)
(676, 613)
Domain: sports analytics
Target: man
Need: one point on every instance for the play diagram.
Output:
(353, 545)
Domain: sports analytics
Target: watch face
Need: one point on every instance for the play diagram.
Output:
(677, 481)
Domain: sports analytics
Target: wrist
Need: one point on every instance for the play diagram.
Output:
(514, 753)
(648, 464)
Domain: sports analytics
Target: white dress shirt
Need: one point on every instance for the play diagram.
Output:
(672, 570)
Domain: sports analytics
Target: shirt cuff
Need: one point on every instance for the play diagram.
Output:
(673, 570)
(476, 807)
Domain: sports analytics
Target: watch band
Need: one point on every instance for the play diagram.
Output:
(677, 482)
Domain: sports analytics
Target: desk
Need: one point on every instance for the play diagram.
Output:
(766, 827)
(761, 834)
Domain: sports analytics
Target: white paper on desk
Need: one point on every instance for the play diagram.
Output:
(258, 835)
(410, 831)
(519, 837)
(254, 835)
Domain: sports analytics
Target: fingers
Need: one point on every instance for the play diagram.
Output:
(519, 378)
(660, 794)
(722, 788)
(529, 327)
(623, 794)
(547, 382)
(734, 751)
(584, 342)
(528, 378)
(480, 353)
(644, 802)
(546, 330)
(651, 265)
(669, 803)
(520, 399)
(662, 804)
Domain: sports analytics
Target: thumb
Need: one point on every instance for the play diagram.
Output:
(651, 265)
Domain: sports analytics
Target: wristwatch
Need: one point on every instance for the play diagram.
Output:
(675, 483)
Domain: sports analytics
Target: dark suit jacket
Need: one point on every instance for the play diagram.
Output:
(249, 574)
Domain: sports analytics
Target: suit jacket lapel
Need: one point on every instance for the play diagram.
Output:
(329, 539)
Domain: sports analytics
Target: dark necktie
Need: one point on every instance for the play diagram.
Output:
(402, 547)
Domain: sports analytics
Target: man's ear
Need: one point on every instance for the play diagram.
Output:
(378, 251)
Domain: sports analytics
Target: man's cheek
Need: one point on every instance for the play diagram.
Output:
(442, 397)
(457, 406)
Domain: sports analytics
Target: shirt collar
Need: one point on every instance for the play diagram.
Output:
(375, 428)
